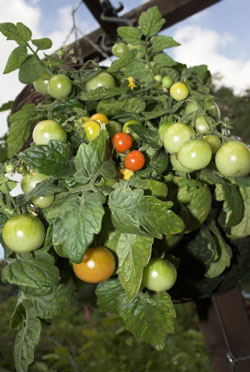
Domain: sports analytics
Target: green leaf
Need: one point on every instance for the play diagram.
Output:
(161, 42)
(156, 188)
(199, 207)
(123, 203)
(15, 59)
(139, 71)
(90, 158)
(123, 61)
(149, 317)
(242, 229)
(164, 60)
(20, 125)
(157, 219)
(30, 70)
(148, 136)
(108, 293)
(151, 22)
(131, 35)
(9, 30)
(80, 219)
(31, 272)
(233, 203)
(159, 162)
(133, 254)
(100, 93)
(42, 44)
(24, 32)
(52, 303)
(54, 159)
(6, 106)
(222, 259)
(242, 181)
(26, 339)
(17, 317)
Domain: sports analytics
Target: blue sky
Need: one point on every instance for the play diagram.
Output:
(218, 36)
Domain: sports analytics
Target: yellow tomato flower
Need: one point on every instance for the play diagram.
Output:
(127, 174)
(131, 82)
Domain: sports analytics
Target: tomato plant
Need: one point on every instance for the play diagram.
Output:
(102, 80)
(23, 233)
(97, 265)
(48, 130)
(179, 91)
(122, 141)
(233, 159)
(134, 160)
(159, 275)
(59, 86)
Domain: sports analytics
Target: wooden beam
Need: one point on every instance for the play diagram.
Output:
(172, 10)
(225, 325)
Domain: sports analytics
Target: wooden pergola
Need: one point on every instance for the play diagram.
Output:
(223, 318)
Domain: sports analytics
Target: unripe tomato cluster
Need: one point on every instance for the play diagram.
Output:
(57, 86)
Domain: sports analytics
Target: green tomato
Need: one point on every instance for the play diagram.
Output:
(9, 168)
(103, 80)
(233, 159)
(179, 91)
(60, 86)
(176, 135)
(140, 49)
(41, 85)
(162, 129)
(114, 127)
(212, 109)
(192, 106)
(29, 181)
(167, 81)
(119, 49)
(195, 154)
(48, 130)
(43, 201)
(177, 165)
(213, 141)
(127, 129)
(23, 233)
(201, 124)
(158, 78)
(92, 129)
(159, 275)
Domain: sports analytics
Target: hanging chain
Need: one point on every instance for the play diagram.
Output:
(75, 30)
(233, 360)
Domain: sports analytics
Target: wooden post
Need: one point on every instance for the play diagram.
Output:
(225, 325)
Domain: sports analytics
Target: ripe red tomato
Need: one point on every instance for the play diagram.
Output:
(134, 160)
(98, 264)
(122, 141)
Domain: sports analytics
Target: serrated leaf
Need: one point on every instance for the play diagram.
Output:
(242, 229)
(26, 339)
(199, 207)
(42, 44)
(159, 162)
(100, 93)
(20, 125)
(54, 159)
(233, 204)
(155, 310)
(156, 188)
(148, 136)
(139, 71)
(108, 293)
(224, 253)
(133, 254)
(80, 219)
(15, 59)
(24, 32)
(31, 272)
(123, 203)
(123, 61)
(164, 60)
(156, 218)
(30, 70)
(151, 21)
(49, 305)
(90, 158)
(131, 35)
(161, 42)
